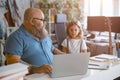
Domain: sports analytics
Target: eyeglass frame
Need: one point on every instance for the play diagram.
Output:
(40, 19)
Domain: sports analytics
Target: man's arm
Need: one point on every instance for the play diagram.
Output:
(11, 58)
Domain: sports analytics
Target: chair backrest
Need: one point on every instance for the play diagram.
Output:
(60, 31)
(2, 57)
(11, 30)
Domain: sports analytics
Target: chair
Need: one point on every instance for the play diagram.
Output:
(2, 42)
(11, 30)
(102, 24)
(60, 32)
(2, 57)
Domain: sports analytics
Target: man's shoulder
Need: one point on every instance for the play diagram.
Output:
(18, 34)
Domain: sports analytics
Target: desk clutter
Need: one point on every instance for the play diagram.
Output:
(100, 43)
(99, 65)
(13, 71)
(103, 64)
(103, 61)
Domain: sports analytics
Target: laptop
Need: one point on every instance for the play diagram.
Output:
(70, 65)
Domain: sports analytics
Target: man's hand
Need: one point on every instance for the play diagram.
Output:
(46, 68)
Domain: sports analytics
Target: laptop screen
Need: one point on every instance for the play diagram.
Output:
(70, 64)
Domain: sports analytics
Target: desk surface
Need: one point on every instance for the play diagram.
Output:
(92, 74)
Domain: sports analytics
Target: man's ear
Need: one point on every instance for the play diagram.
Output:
(31, 21)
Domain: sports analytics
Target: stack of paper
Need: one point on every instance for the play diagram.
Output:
(13, 71)
(99, 65)
(103, 57)
(102, 61)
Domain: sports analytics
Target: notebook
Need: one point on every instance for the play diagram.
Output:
(13, 71)
(70, 65)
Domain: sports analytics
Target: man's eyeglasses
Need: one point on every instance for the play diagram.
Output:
(40, 19)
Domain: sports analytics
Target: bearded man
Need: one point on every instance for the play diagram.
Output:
(31, 43)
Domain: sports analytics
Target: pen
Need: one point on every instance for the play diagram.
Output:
(101, 58)
(93, 64)
(95, 60)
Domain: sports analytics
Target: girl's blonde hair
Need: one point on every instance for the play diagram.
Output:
(77, 23)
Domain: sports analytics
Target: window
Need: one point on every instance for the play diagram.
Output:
(119, 7)
(102, 7)
(107, 8)
(94, 7)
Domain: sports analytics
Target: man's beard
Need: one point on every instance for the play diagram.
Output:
(39, 33)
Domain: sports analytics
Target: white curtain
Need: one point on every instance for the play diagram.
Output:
(102, 7)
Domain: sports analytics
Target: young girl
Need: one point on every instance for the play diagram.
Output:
(74, 43)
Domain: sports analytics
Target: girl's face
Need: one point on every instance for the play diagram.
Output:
(73, 31)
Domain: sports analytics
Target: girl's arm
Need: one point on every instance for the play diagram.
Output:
(64, 49)
(84, 51)
(57, 51)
